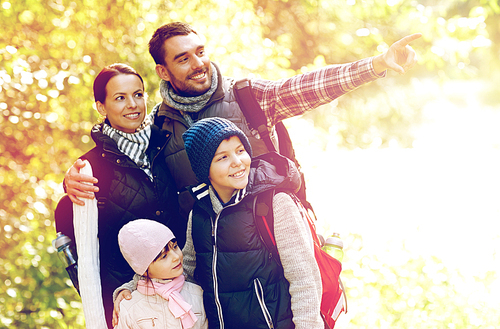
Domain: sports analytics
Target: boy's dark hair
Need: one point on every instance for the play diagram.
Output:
(163, 33)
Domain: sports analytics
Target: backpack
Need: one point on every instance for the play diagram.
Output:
(333, 300)
(257, 120)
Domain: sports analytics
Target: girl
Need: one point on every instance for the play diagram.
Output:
(162, 299)
(243, 286)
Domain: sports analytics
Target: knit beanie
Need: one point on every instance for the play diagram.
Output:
(202, 140)
(141, 240)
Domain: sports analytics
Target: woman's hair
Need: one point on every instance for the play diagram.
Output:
(106, 74)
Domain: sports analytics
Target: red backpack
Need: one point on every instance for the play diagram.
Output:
(333, 300)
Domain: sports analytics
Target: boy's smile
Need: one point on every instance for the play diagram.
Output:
(229, 168)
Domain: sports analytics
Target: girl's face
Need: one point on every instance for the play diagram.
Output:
(168, 265)
(124, 106)
(230, 168)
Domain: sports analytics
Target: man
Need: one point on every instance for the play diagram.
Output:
(193, 88)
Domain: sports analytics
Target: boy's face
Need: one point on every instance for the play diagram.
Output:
(168, 265)
(230, 168)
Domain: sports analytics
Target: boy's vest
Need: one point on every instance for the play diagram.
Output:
(237, 275)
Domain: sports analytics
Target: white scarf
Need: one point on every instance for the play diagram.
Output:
(87, 245)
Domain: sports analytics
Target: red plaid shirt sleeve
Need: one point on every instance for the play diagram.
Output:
(290, 97)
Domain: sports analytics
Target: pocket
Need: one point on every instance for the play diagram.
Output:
(148, 322)
(259, 292)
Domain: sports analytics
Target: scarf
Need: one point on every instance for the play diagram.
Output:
(86, 227)
(176, 303)
(188, 104)
(133, 145)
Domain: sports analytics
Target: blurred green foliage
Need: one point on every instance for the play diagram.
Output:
(50, 52)
(396, 289)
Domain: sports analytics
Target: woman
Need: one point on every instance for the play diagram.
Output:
(133, 183)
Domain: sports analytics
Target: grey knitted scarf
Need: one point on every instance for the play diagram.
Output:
(133, 145)
(188, 104)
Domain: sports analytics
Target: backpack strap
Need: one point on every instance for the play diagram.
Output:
(257, 120)
(264, 221)
(252, 111)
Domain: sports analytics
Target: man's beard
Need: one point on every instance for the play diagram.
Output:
(183, 88)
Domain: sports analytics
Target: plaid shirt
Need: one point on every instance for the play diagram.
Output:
(293, 96)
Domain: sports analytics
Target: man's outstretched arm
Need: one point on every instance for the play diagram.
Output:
(296, 95)
(79, 185)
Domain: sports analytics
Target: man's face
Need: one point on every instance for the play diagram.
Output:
(187, 67)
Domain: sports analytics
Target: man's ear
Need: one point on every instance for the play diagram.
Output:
(162, 72)
(100, 108)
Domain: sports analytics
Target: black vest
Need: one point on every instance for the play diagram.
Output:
(234, 268)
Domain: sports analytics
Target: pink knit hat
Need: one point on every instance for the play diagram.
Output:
(141, 240)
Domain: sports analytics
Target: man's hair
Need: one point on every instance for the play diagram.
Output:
(163, 33)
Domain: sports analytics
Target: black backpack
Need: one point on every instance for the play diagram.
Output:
(257, 120)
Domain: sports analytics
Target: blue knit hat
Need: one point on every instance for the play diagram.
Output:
(202, 140)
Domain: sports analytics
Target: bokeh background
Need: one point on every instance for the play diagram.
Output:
(405, 169)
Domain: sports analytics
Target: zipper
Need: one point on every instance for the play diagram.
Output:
(214, 272)
(214, 265)
(259, 292)
(158, 151)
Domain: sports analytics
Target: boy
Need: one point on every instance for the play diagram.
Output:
(243, 286)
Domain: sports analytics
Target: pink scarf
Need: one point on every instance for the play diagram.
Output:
(176, 303)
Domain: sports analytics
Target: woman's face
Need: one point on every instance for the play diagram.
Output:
(168, 265)
(125, 106)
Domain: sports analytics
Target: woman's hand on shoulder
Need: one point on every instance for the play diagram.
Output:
(124, 294)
